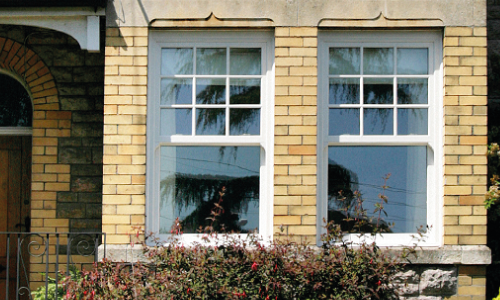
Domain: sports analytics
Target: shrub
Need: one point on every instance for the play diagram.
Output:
(75, 276)
(250, 269)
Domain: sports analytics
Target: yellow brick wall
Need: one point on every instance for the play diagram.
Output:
(465, 130)
(124, 156)
(471, 283)
(295, 132)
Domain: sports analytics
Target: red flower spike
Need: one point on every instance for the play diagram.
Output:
(378, 283)
(254, 266)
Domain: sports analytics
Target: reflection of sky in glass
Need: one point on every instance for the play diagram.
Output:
(407, 192)
(176, 91)
(193, 173)
(412, 121)
(176, 121)
(15, 103)
(413, 61)
(343, 121)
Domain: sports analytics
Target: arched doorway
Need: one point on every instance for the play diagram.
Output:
(16, 114)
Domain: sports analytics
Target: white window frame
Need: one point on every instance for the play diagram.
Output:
(433, 141)
(210, 39)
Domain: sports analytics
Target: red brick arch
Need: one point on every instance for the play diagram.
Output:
(25, 63)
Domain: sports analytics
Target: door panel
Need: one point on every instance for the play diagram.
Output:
(15, 187)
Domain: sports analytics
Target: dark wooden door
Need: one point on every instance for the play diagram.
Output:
(15, 187)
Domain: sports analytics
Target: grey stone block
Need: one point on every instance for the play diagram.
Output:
(70, 210)
(438, 281)
(76, 103)
(86, 184)
(74, 155)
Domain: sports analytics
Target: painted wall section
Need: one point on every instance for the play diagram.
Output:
(297, 13)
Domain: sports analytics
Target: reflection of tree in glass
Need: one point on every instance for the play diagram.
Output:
(344, 91)
(414, 93)
(378, 61)
(384, 116)
(343, 196)
(240, 119)
(245, 94)
(202, 191)
(177, 61)
(341, 188)
(344, 60)
(210, 121)
(211, 61)
(15, 103)
(245, 61)
(176, 91)
(210, 94)
(378, 91)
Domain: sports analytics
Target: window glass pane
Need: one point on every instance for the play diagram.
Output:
(413, 61)
(412, 91)
(378, 91)
(344, 61)
(344, 91)
(245, 61)
(210, 91)
(210, 121)
(378, 121)
(243, 121)
(412, 121)
(211, 61)
(191, 179)
(176, 61)
(343, 121)
(244, 91)
(176, 91)
(176, 121)
(15, 103)
(362, 169)
(378, 61)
